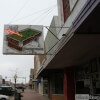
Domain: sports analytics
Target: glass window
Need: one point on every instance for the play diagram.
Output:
(88, 79)
(96, 83)
(57, 83)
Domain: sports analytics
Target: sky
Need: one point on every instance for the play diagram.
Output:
(22, 12)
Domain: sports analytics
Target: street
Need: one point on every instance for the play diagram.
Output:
(29, 94)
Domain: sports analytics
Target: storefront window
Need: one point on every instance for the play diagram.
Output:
(88, 79)
(45, 85)
(57, 83)
(82, 82)
(96, 84)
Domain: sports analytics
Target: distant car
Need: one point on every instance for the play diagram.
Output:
(4, 97)
(6, 90)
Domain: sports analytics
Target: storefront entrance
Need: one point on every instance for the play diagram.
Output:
(88, 81)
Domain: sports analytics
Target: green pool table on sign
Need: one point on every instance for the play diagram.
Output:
(26, 34)
(29, 35)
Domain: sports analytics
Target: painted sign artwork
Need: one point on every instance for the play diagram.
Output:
(23, 39)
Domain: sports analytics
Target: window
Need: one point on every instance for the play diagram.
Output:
(88, 78)
(57, 83)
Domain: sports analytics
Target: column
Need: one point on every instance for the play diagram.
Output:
(69, 84)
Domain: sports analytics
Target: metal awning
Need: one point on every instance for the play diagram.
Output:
(83, 43)
(88, 18)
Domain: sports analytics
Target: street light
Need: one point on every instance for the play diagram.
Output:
(15, 77)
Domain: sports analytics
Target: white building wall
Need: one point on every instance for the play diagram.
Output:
(60, 13)
(72, 3)
(50, 39)
(38, 64)
(77, 4)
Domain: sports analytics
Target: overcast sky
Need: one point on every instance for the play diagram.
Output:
(22, 12)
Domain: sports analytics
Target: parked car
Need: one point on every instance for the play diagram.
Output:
(4, 97)
(6, 90)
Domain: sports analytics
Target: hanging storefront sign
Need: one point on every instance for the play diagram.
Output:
(23, 39)
(38, 81)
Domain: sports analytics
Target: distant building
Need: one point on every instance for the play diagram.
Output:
(31, 78)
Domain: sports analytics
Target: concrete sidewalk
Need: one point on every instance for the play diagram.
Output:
(41, 96)
(31, 95)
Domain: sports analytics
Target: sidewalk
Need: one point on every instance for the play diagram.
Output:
(41, 96)
(12, 98)
(31, 95)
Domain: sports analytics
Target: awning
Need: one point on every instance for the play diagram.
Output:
(83, 43)
(88, 18)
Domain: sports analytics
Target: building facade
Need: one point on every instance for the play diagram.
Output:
(72, 67)
(31, 78)
(39, 82)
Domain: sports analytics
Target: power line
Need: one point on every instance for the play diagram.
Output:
(44, 17)
(38, 17)
(29, 15)
(19, 11)
(44, 14)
